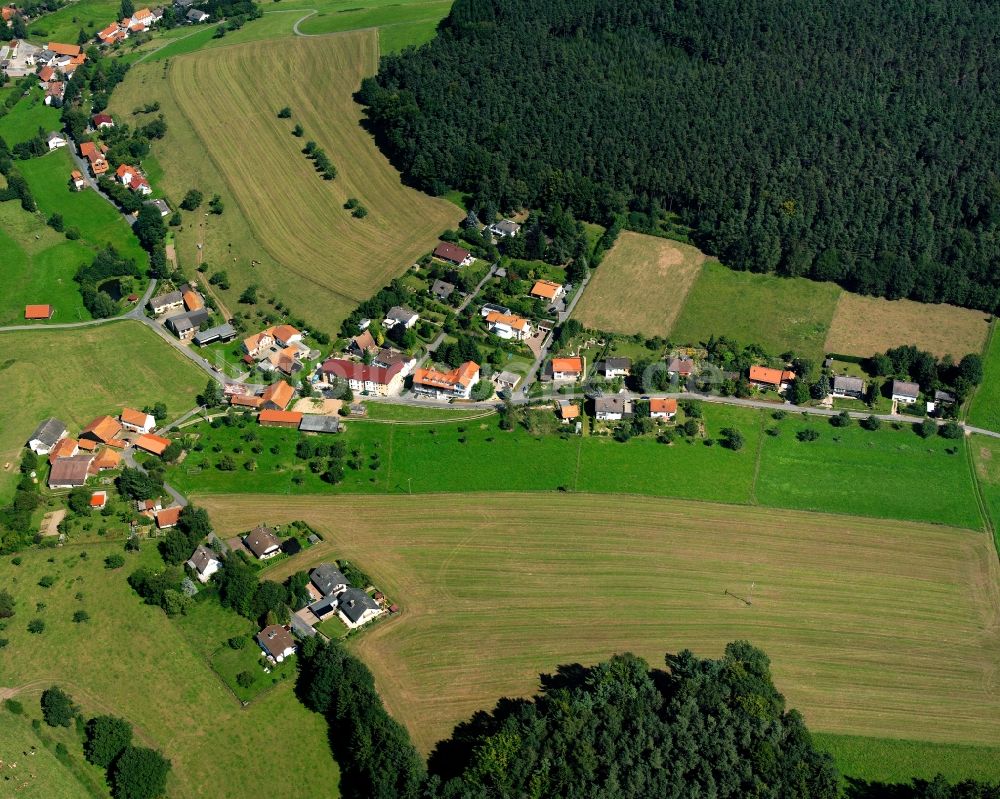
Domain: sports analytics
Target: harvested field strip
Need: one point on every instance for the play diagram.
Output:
(865, 326)
(875, 628)
(640, 285)
(297, 216)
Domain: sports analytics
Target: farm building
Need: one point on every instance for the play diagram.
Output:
(276, 396)
(37, 311)
(103, 430)
(47, 435)
(70, 472)
(224, 332)
(272, 418)
(155, 445)
(317, 423)
(137, 421)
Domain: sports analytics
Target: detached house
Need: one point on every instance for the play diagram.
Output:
(132, 178)
(170, 301)
(55, 141)
(547, 290)
(508, 326)
(276, 642)
(853, 387)
(904, 392)
(95, 157)
(662, 408)
(262, 543)
(102, 121)
(328, 579)
(505, 228)
(356, 608)
(613, 368)
(167, 517)
(401, 315)
(612, 408)
(196, 16)
(54, 93)
(456, 384)
(205, 563)
(567, 368)
(453, 254)
(680, 367)
(381, 381)
(765, 377)
(137, 421)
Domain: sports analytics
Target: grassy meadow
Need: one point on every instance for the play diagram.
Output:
(780, 314)
(516, 584)
(99, 222)
(984, 409)
(22, 121)
(279, 211)
(65, 24)
(129, 659)
(475, 455)
(640, 285)
(865, 326)
(37, 266)
(79, 374)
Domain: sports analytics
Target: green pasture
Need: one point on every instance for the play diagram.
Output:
(30, 113)
(780, 314)
(37, 266)
(65, 24)
(984, 410)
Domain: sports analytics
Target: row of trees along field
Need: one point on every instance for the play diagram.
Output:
(844, 141)
(617, 730)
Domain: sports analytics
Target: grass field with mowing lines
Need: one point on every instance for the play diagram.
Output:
(873, 627)
(865, 326)
(778, 313)
(350, 15)
(832, 472)
(899, 761)
(99, 222)
(360, 252)
(129, 659)
(37, 266)
(78, 374)
(984, 410)
(640, 285)
(24, 119)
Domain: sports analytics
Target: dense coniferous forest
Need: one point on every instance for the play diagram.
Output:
(841, 140)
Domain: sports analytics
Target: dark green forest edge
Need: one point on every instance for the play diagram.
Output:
(616, 730)
(843, 141)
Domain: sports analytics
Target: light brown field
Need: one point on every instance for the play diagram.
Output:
(640, 285)
(865, 326)
(224, 130)
(874, 627)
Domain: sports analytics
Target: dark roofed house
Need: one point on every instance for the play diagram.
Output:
(612, 408)
(943, 397)
(905, 392)
(843, 386)
(328, 579)
(223, 332)
(401, 315)
(442, 289)
(680, 366)
(615, 367)
(166, 302)
(194, 15)
(262, 542)
(205, 563)
(355, 607)
(453, 254)
(159, 205)
(277, 642)
(185, 325)
(317, 423)
(70, 472)
(47, 435)
(505, 228)
(361, 344)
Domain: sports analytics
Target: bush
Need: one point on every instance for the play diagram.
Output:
(842, 419)
(47, 581)
(244, 679)
(7, 604)
(731, 438)
(36, 626)
(926, 428)
(114, 561)
(192, 200)
(14, 707)
(808, 434)
(81, 616)
(950, 429)
(237, 642)
(285, 113)
(871, 423)
(58, 709)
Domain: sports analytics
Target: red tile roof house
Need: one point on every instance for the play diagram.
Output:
(662, 408)
(98, 499)
(766, 377)
(567, 368)
(101, 121)
(137, 421)
(453, 254)
(55, 91)
(37, 311)
(276, 396)
(455, 384)
(168, 517)
(378, 380)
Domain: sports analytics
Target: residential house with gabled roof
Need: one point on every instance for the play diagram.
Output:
(276, 642)
(612, 408)
(505, 228)
(362, 344)
(102, 121)
(766, 377)
(167, 517)
(442, 289)
(611, 368)
(204, 562)
(568, 411)
(453, 254)
(64, 448)
(137, 421)
(662, 408)
(905, 392)
(567, 368)
(54, 92)
(328, 579)
(355, 608)
(681, 367)
(456, 384)
(508, 327)
(47, 435)
(262, 542)
(95, 157)
(401, 315)
(76, 178)
(851, 387)
(170, 301)
(547, 290)
(55, 141)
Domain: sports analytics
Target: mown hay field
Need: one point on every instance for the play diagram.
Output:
(324, 260)
(640, 285)
(874, 628)
(865, 326)
(79, 374)
(130, 660)
(780, 314)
